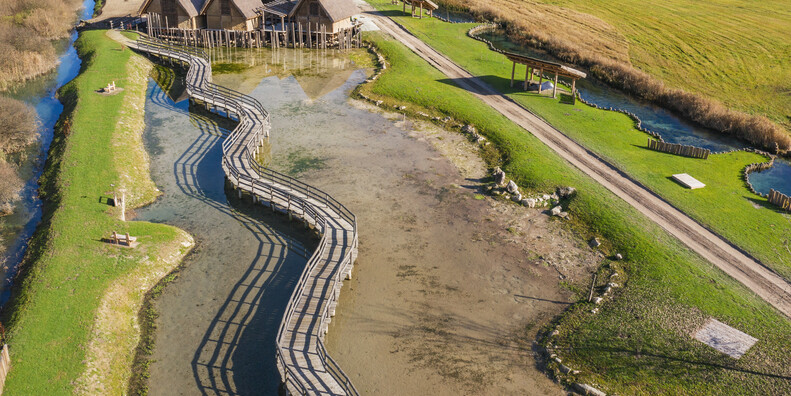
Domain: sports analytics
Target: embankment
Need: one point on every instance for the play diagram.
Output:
(72, 317)
(639, 340)
(587, 41)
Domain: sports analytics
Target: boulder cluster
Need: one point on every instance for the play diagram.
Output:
(473, 134)
(510, 190)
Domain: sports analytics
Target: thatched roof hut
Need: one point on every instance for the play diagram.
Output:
(231, 14)
(182, 14)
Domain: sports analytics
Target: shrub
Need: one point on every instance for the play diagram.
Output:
(10, 186)
(27, 28)
(18, 126)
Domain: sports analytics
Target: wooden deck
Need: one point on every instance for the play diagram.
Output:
(302, 360)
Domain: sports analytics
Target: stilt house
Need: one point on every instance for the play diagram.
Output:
(182, 14)
(232, 14)
(333, 15)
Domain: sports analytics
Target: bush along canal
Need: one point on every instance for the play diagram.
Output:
(40, 93)
(669, 126)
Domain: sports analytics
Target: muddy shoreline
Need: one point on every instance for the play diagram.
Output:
(449, 286)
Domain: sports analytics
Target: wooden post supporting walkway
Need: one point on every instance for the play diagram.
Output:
(301, 357)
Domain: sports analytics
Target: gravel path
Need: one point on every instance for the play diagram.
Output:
(764, 282)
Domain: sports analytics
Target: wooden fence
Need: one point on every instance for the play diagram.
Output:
(679, 149)
(780, 199)
(5, 366)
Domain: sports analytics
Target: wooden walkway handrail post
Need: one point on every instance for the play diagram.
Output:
(303, 363)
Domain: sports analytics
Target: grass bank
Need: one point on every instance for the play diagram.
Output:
(724, 64)
(725, 205)
(668, 289)
(72, 319)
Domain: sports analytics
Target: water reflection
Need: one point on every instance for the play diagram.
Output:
(219, 319)
(318, 72)
(777, 177)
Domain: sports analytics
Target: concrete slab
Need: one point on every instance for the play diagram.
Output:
(688, 181)
(724, 338)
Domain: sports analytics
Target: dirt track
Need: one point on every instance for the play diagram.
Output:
(764, 282)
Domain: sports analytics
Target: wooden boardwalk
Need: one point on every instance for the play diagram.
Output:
(303, 362)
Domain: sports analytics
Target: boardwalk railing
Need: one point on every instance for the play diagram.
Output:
(307, 316)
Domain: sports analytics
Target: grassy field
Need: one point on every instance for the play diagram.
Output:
(640, 342)
(736, 52)
(53, 318)
(725, 205)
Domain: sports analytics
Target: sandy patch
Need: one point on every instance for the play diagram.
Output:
(724, 338)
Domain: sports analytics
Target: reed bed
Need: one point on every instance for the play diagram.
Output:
(588, 41)
(27, 31)
(18, 130)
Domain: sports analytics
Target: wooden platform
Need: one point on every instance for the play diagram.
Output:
(302, 360)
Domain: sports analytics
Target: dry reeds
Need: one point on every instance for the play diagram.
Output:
(18, 130)
(18, 126)
(10, 186)
(26, 30)
(587, 41)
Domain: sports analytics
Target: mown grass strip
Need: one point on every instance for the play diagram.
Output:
(725, 205)
(640, 341)
(68, 269)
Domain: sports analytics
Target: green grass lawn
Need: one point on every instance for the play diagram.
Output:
(639, 342)
(725, 205)
(736, 51)
(68, 267)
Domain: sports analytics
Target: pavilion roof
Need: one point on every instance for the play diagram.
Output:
(547, 66)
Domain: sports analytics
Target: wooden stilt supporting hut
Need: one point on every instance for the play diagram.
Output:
(531, 64)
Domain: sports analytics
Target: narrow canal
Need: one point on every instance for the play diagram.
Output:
(17, 228)
(219, 318)
(427, 250)
(672, 128)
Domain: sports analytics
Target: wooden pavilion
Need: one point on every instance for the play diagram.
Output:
(428, 5)
(535, 64)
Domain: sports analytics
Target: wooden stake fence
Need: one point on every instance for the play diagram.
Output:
(679, 149)
(780, 199)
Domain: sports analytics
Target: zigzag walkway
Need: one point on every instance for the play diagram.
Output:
(302, 360)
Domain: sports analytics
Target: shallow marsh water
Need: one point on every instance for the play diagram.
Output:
(17, 228)
(430, 254)
(218, 319)
(672, 128)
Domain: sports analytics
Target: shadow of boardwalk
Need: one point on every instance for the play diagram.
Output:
(237, 353)
(223, 330)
